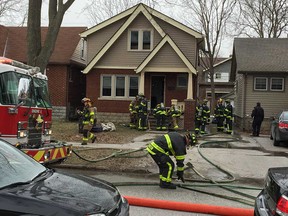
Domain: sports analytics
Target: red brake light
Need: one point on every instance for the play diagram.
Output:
(283, 125)
(282, 205)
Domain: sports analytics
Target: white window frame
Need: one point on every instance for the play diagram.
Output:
(140, 39)
(276, 89)
(255, 78)
(113, 86)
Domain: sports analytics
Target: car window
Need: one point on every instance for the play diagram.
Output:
(284, 116)
(15, 166)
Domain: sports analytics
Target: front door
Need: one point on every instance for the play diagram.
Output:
(157, 90)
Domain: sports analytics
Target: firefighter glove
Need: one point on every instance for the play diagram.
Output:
(180, 176)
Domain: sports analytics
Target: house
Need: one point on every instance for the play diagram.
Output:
(141, 51)
(62, 74)
(222, 82)
(260, 69)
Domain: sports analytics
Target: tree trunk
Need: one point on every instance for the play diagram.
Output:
(39, 55)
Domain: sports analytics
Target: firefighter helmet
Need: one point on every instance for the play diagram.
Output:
(191, 138)
(220, 100)
(85, 99)
(205, 101)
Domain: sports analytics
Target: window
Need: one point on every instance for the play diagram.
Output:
(269, 84)
(260, 83)
(119, 86)
(83, 45)
(134, 40)
(182, 80)
(146, 40)
(106, 86)
(140, 40)
(277, 84)
(133, 86)
(217, 75)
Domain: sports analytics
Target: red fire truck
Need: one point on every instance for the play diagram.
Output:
(26, 112)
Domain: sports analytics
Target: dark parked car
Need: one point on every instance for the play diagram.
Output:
(29, 188)
(273, 199)
(279, 128)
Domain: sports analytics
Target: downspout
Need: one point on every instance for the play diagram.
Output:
(244, 101)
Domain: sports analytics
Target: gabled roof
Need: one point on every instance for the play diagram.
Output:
(222, 62)
(219, 61)
(261, 54)
(142, 8)
(165, 40)
(13, 43)
(133, 13)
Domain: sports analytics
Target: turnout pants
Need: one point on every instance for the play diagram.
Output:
(166, 167)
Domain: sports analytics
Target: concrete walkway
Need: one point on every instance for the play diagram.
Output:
(243, 156)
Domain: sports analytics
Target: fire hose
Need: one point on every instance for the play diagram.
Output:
(206, 182)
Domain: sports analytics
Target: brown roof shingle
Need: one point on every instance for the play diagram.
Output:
(16, 46)
(261, 54)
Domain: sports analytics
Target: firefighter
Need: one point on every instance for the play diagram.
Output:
(174, 112)
(133, 107)
(142, 113)
(202, 116)
(173, 144)
(88, 118)
(160, 114)
(219, 115)
(228, 114)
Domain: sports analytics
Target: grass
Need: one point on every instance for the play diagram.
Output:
(68, 131)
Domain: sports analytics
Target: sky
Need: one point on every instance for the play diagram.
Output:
(75, 16)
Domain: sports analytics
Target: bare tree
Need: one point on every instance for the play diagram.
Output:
(13, 12)
(210, 17)
(39, 55)
(100, 10)
(262, 18)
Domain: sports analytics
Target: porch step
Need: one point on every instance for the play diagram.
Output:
(152, 123)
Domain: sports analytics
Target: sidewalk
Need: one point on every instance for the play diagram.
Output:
(245, 157)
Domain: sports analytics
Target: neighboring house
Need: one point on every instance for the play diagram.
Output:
(260, 70)
(64, 91)
(141, 51)
(222, 82)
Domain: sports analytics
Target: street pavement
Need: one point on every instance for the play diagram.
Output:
(217, 158)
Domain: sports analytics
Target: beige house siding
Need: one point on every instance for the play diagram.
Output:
(119, 55)
(99, 38)
(279, 99)
(77, 55)
(186, 42)
(167, 58)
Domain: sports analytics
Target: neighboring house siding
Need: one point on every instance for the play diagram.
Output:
(167, 58)
(98, 39)
(80, 53)
(238, 109)
(184, 41)
(118, 54)
(271, 101)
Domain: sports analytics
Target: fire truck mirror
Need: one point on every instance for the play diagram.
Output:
(23, 88)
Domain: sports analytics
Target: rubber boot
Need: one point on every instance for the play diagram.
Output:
(167, 185)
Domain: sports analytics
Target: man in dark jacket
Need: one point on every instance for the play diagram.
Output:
(258, 116)
(173, 144)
